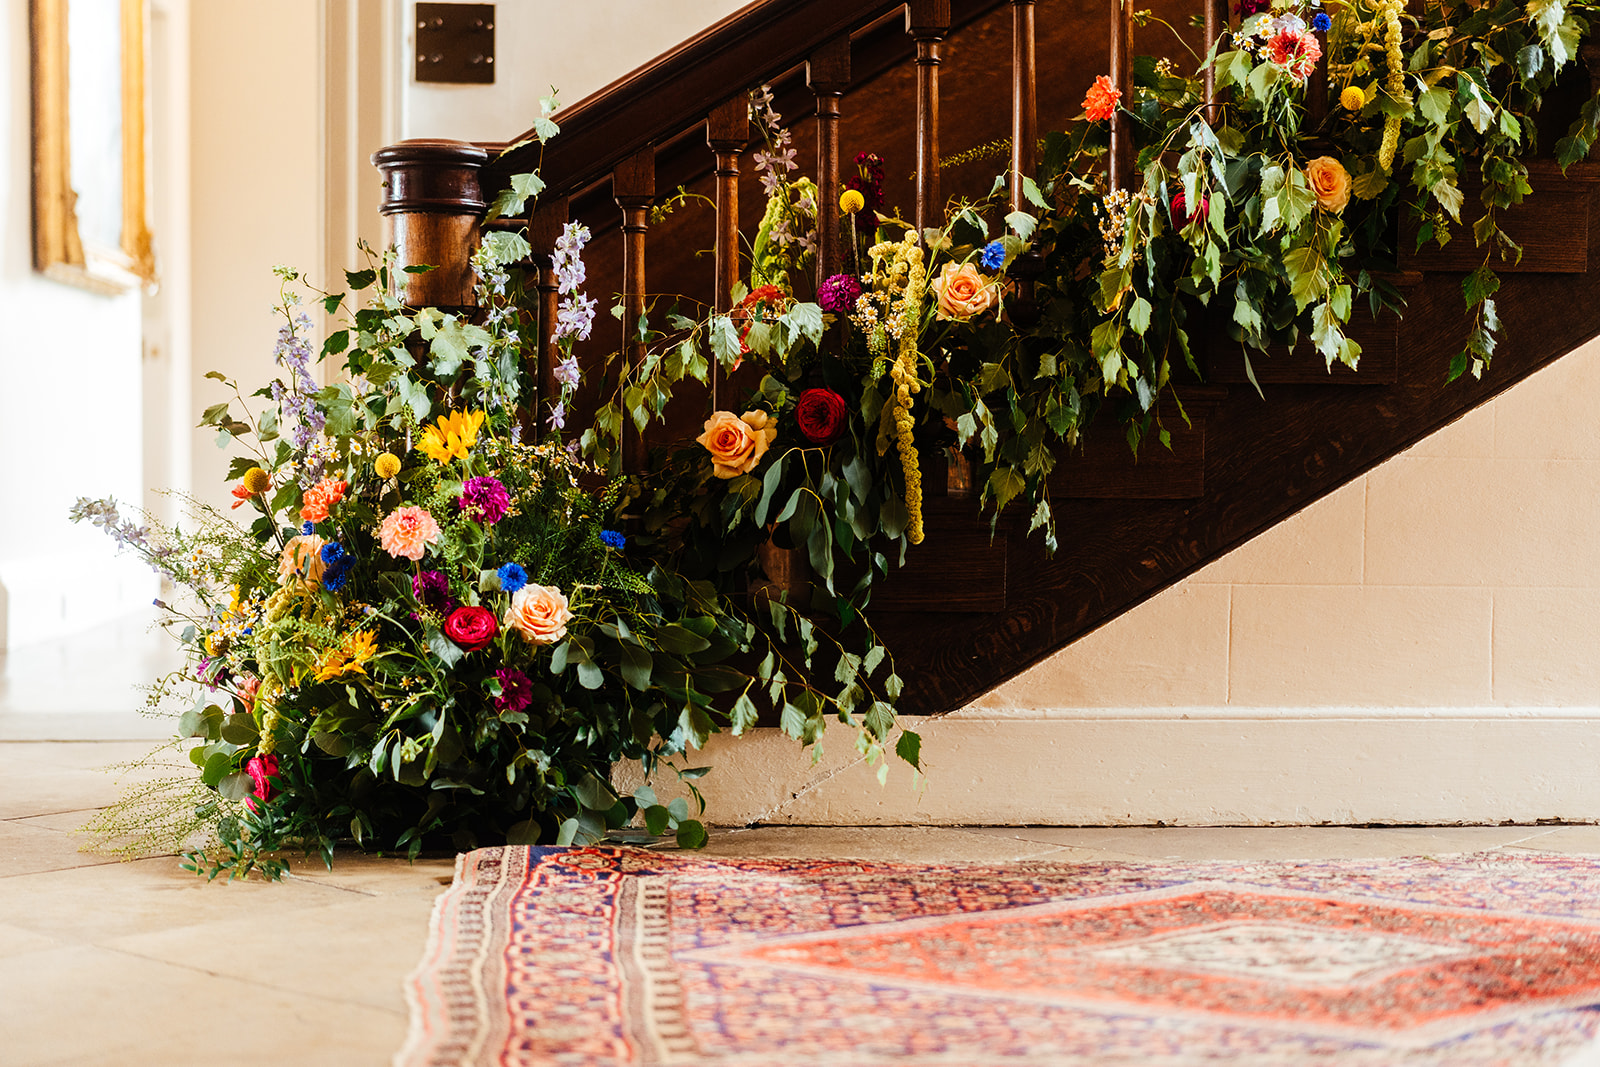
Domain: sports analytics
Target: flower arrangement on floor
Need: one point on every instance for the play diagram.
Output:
(434, 627)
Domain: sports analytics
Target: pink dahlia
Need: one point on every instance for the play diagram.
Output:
(1296, 51)
(484, 499)
(405, 533)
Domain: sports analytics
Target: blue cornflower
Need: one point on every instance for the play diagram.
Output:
(307, 527)
(994, 255)
(340, 564)
(512, 578)
(613, 539)
(1321, 22)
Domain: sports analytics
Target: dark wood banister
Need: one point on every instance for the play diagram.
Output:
(673, 93)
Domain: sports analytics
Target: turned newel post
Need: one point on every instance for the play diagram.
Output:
(927, 21)
(633, 185)
(433, 206)
(1317, 85)
(828, 76)
(1119, 165)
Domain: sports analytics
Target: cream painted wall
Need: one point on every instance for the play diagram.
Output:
(577, 48)
(69, 408)
(1463, 573)
(256, 180)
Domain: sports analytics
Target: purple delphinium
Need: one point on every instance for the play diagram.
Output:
(293, 352)
(432, 590)
(566, 372)
(838, 294)
(575, 315)
(484, 499)
(516, 690)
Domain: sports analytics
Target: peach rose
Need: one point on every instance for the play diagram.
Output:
(302, 555)
(406, 532)
(964, 292)
(1330, 182)
(539, 613)
(737, 442)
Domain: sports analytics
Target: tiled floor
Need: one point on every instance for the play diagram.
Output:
(103, 962)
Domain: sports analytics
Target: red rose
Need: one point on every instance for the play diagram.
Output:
(1179, 209)
(822, 415)
(471, 628)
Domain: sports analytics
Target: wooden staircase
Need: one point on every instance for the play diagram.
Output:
(926, 80)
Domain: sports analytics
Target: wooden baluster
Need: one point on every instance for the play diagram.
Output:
(727, 132)
(1024, 101)
(1317, 86)
(828, 76)
(433, 209)
(549, 216)
(1216, 24)
(633, 184)
(927, 21)
(1120, 160)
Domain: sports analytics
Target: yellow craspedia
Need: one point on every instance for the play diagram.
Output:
(387, 465)
(1352, 99)
(851, 201)
(256, 481)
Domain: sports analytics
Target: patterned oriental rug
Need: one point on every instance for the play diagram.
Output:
(583, 957)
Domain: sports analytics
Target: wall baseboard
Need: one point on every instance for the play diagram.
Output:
(1179, 767)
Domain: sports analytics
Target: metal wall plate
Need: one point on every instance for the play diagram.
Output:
(455, 43)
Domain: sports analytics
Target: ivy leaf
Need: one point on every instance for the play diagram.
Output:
(725, 341)
(743, 714)
(1304, 267)
(1450, 197)
(360, 279)
(1139, 316)
(1022, 224)
(909, 748)
(803, 320)
(1004, 484)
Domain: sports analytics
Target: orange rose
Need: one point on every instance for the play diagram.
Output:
(963, 292)
(302, 555)
(1330, 183)
(737, 442)
(539, 613)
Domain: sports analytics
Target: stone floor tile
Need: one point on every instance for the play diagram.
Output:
(1583, 840)
(26, 849)
(15, 941)
(906, 844)
(88, 1005)
(100, 903)
(372, 875)
(361, 948)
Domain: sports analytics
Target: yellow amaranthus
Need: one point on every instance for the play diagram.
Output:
(908, 269)
(349, 657)
(1390, 10)
(452, 437)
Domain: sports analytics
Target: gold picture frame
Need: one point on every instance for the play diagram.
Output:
(92, 232)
